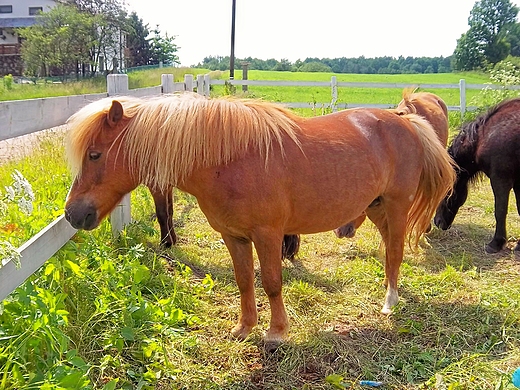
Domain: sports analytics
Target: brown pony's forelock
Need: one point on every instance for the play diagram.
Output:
(84, 127)
(168, 136)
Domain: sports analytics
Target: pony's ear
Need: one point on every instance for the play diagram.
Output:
(115, 114)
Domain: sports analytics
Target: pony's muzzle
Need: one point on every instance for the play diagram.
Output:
(82, 216)
(441, 223)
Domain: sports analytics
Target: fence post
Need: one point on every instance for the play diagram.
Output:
(207, 82)
(188, 82)
(334, 87)
(462, 91)
(245, 67)
(167, 83)
(200, 84)
(117, 84)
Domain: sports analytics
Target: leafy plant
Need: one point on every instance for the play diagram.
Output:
(8, 82)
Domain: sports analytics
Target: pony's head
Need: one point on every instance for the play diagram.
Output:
(462, 149)
(450, 205)
(93, 147)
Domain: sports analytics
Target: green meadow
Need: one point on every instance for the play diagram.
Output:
(122, 313)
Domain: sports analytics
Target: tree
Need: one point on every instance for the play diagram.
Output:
(58, 42)
(485, 42)
(138, 46)
(512, 36)
(469, 53)
(108, 31)
(163, 49)
(315, 66)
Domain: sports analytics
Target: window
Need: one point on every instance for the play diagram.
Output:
(6, 9)
(35, 10)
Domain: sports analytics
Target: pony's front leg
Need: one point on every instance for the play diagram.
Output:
(268, 247)
(501, 190)
(241, 251)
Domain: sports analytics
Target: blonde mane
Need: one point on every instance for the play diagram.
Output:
(167, 137)
(406, 105)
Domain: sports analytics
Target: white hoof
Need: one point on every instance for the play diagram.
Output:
(391, 299)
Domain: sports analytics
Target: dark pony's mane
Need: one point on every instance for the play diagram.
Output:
(464, 146)
(468, 137)
(166, 134)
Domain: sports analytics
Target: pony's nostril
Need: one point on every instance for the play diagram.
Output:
(90, 221)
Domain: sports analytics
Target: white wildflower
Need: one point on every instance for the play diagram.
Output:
(10, 193)
(25, 206)
(8, 252)
(23, 186)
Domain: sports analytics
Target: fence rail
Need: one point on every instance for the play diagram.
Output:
(23, 117)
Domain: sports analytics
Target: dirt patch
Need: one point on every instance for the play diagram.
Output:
(19, 147)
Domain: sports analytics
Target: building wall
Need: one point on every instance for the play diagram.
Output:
(21, 7)
(10, 59)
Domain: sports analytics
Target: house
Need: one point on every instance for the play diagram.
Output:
(13, 14)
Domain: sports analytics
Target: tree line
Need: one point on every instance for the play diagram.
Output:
(378, 65)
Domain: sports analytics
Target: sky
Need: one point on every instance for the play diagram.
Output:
(298, 29)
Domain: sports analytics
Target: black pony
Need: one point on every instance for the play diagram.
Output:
(488, 145)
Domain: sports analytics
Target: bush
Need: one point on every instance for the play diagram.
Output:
(8, 82)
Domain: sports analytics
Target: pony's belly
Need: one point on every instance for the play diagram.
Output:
(324, 218)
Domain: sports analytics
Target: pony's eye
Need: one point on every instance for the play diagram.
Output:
(93, 156)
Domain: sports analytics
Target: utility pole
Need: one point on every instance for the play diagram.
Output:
(232, 58)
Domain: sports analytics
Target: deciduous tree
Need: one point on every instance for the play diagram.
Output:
(58, 42)
(486, 40)
(137, 43)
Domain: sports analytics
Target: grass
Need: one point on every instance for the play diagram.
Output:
(137, 79)
(122, 313)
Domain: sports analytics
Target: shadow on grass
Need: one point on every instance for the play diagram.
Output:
(425, 339)
(463, 247)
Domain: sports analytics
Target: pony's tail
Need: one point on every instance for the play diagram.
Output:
(437, 179)
(290, 246)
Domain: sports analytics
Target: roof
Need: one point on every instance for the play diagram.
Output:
(17, 22)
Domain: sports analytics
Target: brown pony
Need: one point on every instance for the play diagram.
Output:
(258, 172)
(432, 108)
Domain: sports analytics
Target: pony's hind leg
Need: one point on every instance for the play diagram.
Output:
(268, 247)
(391, 223)
(241, 251)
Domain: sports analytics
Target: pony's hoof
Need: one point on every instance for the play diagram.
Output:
(386, 310)
(272, 346)
(491, 250)
(276, 337)
(240, 332)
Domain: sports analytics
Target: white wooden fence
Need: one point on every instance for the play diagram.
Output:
(23, 117)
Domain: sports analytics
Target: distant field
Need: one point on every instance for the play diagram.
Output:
(354, 95)
(152, 77)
